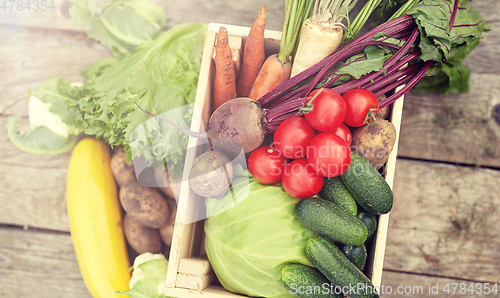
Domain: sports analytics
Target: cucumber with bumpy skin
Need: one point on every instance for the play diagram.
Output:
(367, 186)
(307, 282)
(338, 269)
(335, 191)
(331, 221)
(356, 253)
(370, 222)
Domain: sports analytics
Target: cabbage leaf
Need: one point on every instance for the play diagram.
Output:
(122, 25)
(249, 241)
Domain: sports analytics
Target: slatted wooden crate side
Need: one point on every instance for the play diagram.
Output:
(374, 266)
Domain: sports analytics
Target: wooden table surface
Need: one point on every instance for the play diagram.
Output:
(444, 227)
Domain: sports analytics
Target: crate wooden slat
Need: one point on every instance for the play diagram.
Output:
(188, 239)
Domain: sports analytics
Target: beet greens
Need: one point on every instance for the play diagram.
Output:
(434, 36)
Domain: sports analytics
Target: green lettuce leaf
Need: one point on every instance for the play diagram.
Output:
(160, 77)
(251, 241)
(99, 67)
(123, 25)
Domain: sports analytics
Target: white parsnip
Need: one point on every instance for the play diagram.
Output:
(321, 34)
(317, 41)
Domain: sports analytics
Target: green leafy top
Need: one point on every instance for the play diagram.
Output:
(447, 48)
(160, 77)
(122, 25)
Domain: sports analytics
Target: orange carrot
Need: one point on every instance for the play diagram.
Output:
(253, 55)
(272, 74)
(277, 68)
(225, 81)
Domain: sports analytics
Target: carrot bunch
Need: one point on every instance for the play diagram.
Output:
(226, 85)
(258, 75)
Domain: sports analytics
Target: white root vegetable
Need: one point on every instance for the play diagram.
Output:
(321, 34)
(318, 40)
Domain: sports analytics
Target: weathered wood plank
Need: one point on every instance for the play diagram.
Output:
(38, 264)
(458, 128)
(31, 56)
(241, 12)
(32, 187)
(444, 221)
(415, 285)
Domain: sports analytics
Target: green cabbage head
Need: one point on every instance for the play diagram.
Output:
(249, 239)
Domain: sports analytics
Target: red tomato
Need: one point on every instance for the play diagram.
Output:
(328, 109)
(292, 136)
(328, 154)
(344, 133)
(362, 106)
(266, 165)
(300, 180)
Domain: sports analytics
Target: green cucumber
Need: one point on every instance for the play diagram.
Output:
(370, 222)
(307, 282)
(335, 191)
(367, 186)
(355, 253)
(338, 269)
(331, 221)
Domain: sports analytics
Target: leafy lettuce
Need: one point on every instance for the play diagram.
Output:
(250, 239)
(160, 77)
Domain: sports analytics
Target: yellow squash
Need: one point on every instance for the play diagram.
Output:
(95, 220)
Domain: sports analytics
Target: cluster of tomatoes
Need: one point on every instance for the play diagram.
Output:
(308, 148)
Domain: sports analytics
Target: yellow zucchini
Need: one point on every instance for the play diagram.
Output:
(95, 220)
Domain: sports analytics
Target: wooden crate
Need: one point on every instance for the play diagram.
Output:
(188, 239)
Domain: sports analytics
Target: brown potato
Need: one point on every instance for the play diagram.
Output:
(163, 178)
(374, 142)
(142, 239)
(122, 171)
(384, 113)
(166, 234)
(172, 205)
(145, 204)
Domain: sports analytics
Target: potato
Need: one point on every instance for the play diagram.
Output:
(122, 171)
(172, 205)
(211, 174)
(374, 142)
(384, 113)
(163, 179)
(142, 239)
(166, 234)
(144, 204)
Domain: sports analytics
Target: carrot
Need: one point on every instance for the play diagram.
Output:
(321, 34)
(277, 68)
(225, 80)
(253, 55)
(272, 74)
